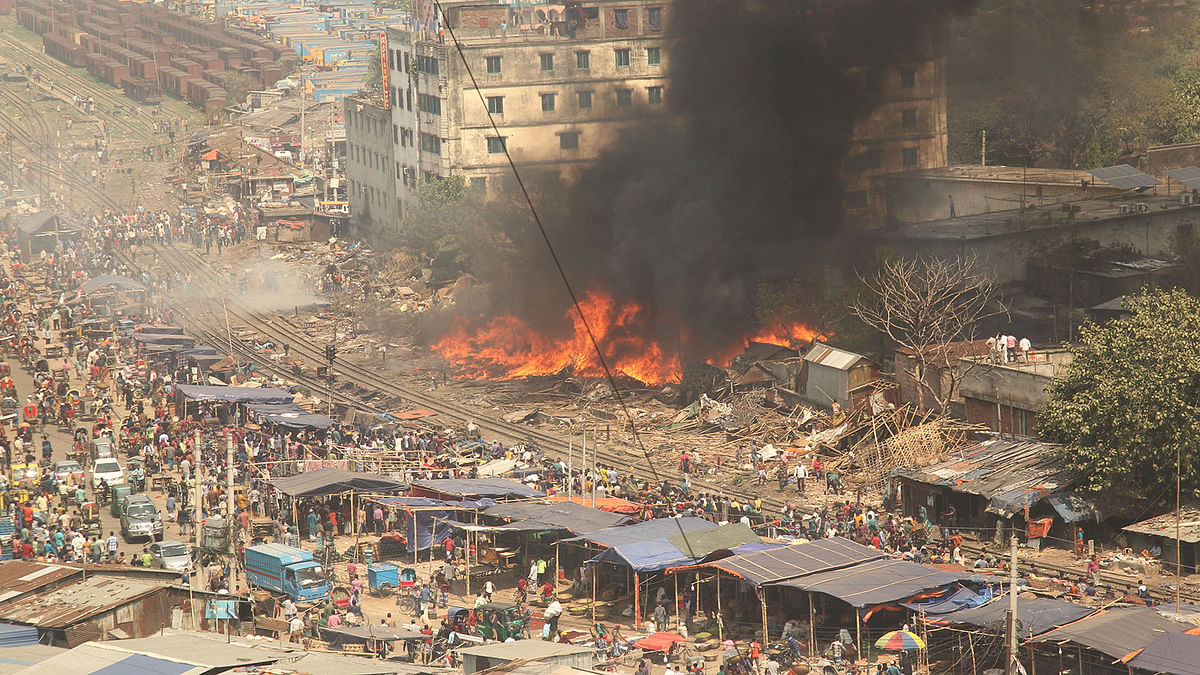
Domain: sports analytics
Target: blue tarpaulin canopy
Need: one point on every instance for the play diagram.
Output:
(646, 547)
(290, 415)
(424, 513)
(198, 392)
(496, 488)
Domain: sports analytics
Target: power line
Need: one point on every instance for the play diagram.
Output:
(562, 273)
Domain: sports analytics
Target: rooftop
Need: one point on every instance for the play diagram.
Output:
(65, 606)
(1164, 525)
(1043, 362)
(18, 577)
(1010, 474)
(832, 357)
(530, 650)
(1049, 217)
(1003, 174)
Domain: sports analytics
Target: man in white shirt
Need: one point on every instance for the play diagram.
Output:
(800, 473)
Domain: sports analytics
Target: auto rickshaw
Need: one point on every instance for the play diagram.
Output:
(117, 492)
(502, 620)
(135, 470)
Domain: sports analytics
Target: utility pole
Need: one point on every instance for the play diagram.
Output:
(229, 502)
(1178, 567)
(983, 149)
(1011, 668)
(197, 456)
(330, 355)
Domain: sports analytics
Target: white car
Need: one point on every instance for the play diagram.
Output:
(68, 470)
(107, 469)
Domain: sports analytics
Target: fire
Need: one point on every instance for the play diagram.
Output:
(508, 347)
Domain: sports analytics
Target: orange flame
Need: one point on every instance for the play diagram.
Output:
(509, 348)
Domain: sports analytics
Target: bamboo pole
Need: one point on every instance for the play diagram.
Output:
(678, 623)
(637, 601)
(595, 582)
(720, 619)
(858, 632)
(812, 627)
(766, 638)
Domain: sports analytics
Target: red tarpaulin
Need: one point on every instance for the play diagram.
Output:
(659, 642)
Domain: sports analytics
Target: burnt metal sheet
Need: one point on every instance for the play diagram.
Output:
(62, 607)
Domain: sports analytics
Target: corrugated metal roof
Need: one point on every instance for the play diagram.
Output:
(1010, 474)
(832, 357)
(1164, 525)
(71, 604)
(18, 577)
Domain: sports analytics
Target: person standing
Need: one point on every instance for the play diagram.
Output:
(1011, 343)
(1025, 345)
(800, 473)
(1093, 568)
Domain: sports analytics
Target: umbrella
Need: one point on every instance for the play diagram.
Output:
(900, 641)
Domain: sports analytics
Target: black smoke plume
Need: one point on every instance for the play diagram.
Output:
(739, 183)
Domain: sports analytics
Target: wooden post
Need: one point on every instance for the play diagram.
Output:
(467, 551)
(677, 621)
(812, 627)
(432, 533)
(637, 601)
(763, 598)
(858, 632)
(971, 645)
(556, 573)
(720, 619)
(595, 582)
(413, 518)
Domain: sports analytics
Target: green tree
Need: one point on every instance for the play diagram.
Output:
(237, 87)
(1128, 400)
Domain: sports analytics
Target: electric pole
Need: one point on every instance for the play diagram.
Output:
(1011, 668)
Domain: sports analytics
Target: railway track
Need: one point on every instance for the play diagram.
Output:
(31, 139)
(69, 82)
(275, 328)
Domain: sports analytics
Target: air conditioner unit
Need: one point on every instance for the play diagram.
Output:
(1124, 209)
(1142, 207)
(1185, 199)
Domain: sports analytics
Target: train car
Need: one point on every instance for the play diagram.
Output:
(142, 90)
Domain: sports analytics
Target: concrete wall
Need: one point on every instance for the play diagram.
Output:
(915, 198)
(1024, 387)
(1004, 254)
(370, 171)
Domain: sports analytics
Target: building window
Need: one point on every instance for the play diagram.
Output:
(406, 62)
(395, 134)
(493, 65)
(855, 199)
(654, 56)
(547, 63)
(408, 102)
(497, 144)
(431, 143)
(427, 65)
(908, 119)
(621, 16)
(547, 102)
(910, 157)
(654, 17)
(874, 158)
(583, 60)
(397, 169)
(908, 78)
(585, 100)
(568, 140)
(654, 95)
(479, 184)
(622, 56)
(624, 97)
(495, 105)
(429, 104)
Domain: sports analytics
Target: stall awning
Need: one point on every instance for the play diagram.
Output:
(323, 482)
(124, 283)
(646, 547)
(961, 599)
(789, 562)
(197, 392)
(875, 582)
(1117, 632)
(726, 537)
(532, 516)
(1034, 615)
(496, 488)
(1175, 653)
(290, 415)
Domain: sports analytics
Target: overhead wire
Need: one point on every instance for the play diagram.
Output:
(558, 265)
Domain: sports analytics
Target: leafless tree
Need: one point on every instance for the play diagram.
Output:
(930, 306)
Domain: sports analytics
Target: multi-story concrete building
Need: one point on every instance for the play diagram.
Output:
(371, 177)
(555, 85)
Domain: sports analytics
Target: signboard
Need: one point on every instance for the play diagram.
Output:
(383, 70)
